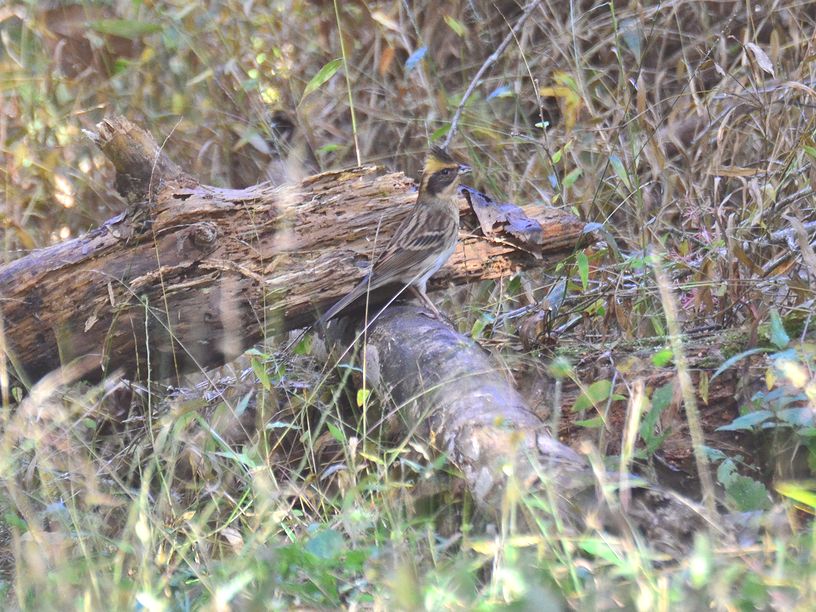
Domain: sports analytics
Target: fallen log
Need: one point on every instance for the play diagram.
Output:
(443, 388)
(191, 275)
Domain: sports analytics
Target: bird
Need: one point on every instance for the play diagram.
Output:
(423, 242)
(292, 156)
(277, 150)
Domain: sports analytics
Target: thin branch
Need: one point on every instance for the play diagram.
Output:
(492, 58)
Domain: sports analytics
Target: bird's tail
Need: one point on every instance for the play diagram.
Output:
(336, 308)
(341, 304)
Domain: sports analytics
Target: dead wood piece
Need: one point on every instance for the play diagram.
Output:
(506, 221)
(142, 168)
(202, 273)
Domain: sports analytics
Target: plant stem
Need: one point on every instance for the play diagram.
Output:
(348, 84)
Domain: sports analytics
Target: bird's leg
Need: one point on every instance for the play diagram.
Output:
(426, 302)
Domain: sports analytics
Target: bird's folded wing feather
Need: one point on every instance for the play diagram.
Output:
(415, 242)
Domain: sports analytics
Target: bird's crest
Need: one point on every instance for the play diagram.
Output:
(438, 158)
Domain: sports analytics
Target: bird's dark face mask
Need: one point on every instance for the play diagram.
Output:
(440, 176)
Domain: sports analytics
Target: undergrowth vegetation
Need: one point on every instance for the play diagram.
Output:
(680, 339)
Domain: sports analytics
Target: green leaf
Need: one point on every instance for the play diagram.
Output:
(583, 269)
(779, 336)
(570, 179)
(735, 358)
(748, 494)
(620, 171)
(281, 425)
(593, 423)
(798, 417)
(455, 25)
(440, 132)
(336, 433)
(514, 285)
(479, 326)
(259, 368)
(662, 357)
(362, 396)
(600, 548)
(121, 64)
(596, 393)
(661, 399)
(747, 421)
(304, 345)
(243, 403)
(714, 454)
(328, 544)
(12, 520)
(328, 148)
(726, 472)
(797, 492)
(241, 458)
(323, 75)
(125, 28)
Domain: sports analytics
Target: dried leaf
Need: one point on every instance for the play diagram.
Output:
(507, 219)
(455, 25)
(803, 240)
(385, 20)
(761, 58)
(734, 171)
(386, 59)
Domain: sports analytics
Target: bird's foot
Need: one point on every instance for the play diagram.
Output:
(427, 303)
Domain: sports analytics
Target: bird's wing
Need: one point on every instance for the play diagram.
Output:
(422, 236)
(419, 240)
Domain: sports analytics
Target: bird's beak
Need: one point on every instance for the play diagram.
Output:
(464, 169)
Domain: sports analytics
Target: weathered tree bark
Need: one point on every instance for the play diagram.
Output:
(191, 275)
(444, 387)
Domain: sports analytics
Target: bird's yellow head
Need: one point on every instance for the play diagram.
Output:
(440, 176)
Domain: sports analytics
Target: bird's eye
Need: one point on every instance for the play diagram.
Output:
(446, 172)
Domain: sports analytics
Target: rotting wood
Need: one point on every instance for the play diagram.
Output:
(443, 388)
(191, 275)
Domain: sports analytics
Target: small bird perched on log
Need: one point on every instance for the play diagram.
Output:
(425, 239)
(292, 156)
(275, 150)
